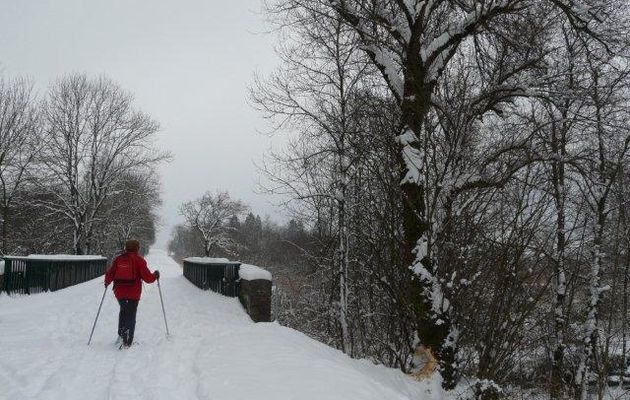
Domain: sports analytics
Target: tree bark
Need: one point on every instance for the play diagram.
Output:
(558, 180)
(5, 229)
(432, 311)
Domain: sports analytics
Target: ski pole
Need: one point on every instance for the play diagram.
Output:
(163, 312)
(97, 313)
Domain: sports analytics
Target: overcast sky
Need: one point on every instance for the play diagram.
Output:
(188, 62)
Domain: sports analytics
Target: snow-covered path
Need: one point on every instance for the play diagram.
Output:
(214, 352)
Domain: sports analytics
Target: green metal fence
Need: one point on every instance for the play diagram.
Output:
(28, 275)
(218, 276)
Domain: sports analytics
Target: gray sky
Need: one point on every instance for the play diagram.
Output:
(188, 62)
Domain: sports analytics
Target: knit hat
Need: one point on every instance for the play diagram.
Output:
(132, 245)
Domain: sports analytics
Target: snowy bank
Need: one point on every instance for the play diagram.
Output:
(214, 352)
(251, 272)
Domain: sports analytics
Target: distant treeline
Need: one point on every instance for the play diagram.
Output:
(254, 241)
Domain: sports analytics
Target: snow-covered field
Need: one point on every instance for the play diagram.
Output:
(214, 352)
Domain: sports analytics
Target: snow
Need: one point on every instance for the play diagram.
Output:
(252, 272)
(412, 157)
(207, 260)
(1, 267)
(214, 352)
(62, 257)
(390, 70)
(438, 47)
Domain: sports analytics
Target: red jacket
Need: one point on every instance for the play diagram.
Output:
(133, 291)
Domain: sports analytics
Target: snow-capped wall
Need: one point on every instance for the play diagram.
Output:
(250, 283)
(255, 296)
(252, 272)
(206, 260)
(255, 292)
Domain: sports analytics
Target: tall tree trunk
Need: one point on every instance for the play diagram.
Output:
(343, 261)
(5, 228)
(590, 338)
(558, 180)
(89, 237)
(626, 272)
(342, 251)
(602, 184)
(624, 320)
(207, 247)
(612, 310)
(77, 238)
(432, 310)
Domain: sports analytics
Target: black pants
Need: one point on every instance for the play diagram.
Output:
(127, 320)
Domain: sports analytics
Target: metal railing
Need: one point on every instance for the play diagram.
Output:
(26, 275)
(218, 276)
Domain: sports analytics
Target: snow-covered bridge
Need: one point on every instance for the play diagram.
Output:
(215, 351)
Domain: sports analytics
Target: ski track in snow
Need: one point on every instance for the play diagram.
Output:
(214, 352)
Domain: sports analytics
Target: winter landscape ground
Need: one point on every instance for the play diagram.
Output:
(214, 351)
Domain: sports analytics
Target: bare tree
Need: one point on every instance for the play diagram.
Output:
(93, 136)
(131, 212)
(556, 119)
(412, 44)
(210, 215)
(19, 119)
(316, 94)
(607, 143)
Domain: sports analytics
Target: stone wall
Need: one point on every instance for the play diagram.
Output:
(255, 296)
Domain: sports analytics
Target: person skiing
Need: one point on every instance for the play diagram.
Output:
(127, 271)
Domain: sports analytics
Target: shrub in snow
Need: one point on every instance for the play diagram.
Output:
(488, 390)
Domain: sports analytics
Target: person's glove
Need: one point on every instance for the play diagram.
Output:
(156, 273)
